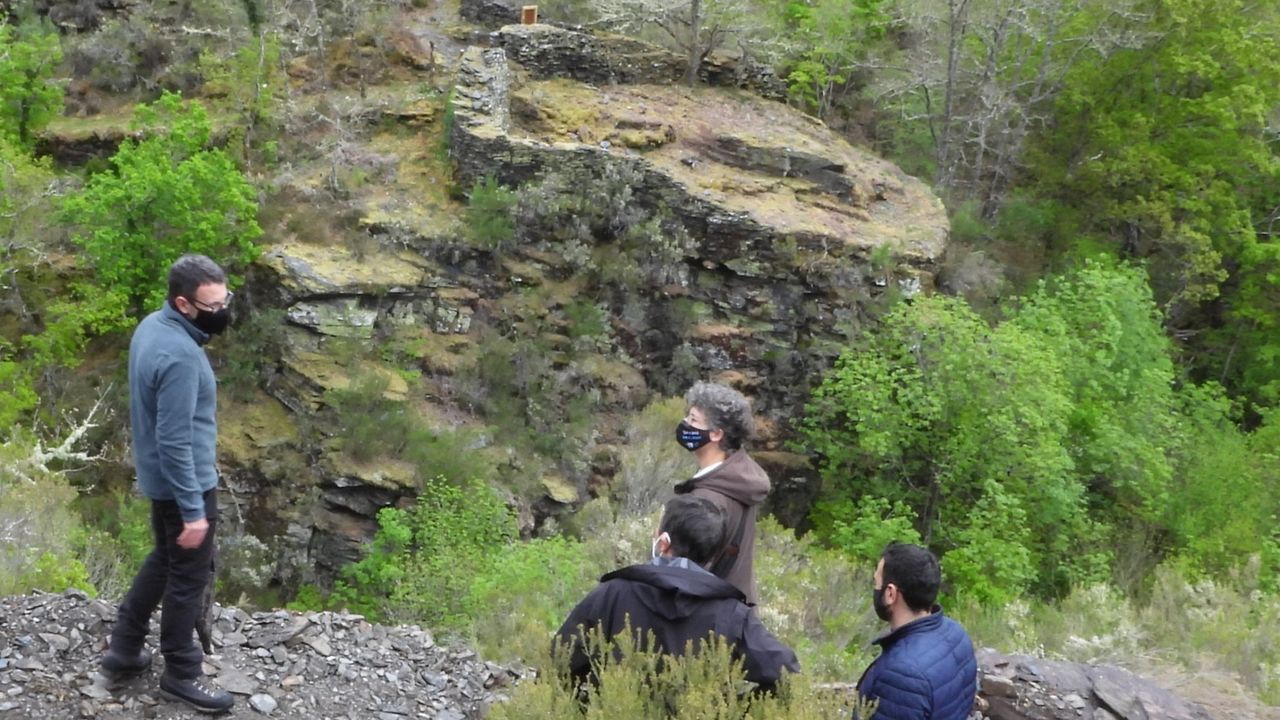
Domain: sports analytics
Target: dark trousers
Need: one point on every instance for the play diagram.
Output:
(178, 577)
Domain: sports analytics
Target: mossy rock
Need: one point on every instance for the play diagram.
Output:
(247, 430)
(321, 373)
(560, 490)
(305, 270)
(620, 384)
(381, 472)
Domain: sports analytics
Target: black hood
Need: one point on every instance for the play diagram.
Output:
(674, 592)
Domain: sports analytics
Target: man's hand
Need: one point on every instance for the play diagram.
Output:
(193, 534)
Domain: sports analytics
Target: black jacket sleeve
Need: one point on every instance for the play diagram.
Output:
(763, 654)
(582, 620)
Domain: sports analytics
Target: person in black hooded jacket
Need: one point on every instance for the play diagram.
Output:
(677, 599)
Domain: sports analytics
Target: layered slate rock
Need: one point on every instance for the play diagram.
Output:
(784, 242)
(796, 233)
(548, 51)
(1018, 687)
(279, 664)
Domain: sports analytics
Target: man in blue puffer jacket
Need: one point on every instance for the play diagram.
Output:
(926, 669)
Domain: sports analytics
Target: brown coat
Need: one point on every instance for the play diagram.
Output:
(737, 487)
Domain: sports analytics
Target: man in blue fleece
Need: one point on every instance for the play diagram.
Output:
(172, 408)
(926, 669)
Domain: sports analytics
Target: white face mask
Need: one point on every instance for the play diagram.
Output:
(654, 550)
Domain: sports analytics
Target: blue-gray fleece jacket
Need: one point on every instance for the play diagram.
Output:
(173, 404)
(926, 671)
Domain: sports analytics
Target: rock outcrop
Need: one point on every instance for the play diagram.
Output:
(795, 232)
(1018, 687)
(549, 51)
(490, 13)
(277, 664)
(789, 241)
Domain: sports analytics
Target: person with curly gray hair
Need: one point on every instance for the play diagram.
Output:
(717, 424)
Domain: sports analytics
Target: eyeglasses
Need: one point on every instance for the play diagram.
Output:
(218, 307)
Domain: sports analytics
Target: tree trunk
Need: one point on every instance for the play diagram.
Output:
(695, 41)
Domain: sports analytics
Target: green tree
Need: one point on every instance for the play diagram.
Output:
(425, 558)
(831, 39)
(1102, 325)
(944, 414)
(29, 95)
(1223, 499)
(163, 196)
(22, 201)
(1164, 152)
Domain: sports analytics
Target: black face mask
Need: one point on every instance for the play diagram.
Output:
(877, 602)
(212, 323)
(690, 437)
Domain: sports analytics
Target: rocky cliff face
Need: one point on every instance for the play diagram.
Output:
(780, 242)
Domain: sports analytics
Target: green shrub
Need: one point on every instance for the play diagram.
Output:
(29, 95)
(424, 559)
(863, 530)
(369, 423)
(309, 598)
(640, 685)
(252, 344)
(489, 210)
(1205, 626)
(815, 601)
(54, 572)
(39, 528)
(650, 462)
(527, 593)
(197, 201)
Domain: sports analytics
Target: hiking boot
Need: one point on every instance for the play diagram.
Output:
(196, 693)
(118, 665)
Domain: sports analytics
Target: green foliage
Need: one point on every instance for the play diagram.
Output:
(649, 461)
(586, 320)
(53, 572)
(38, 525)
(943, 414)
(1165, 150)
(1223, 501)
(165, 195)
(252, 343)
(1102, 324)
(249, 79)
(537, 406)
(25, 236)
(1028, 451)
(1205, 626)
(815, 600)
(489, 214)
(29, 95)
(593, 217)
(527, 592)
(371, 425)
(832, 37)
(424, 558)
(309, 598)
(637, 684)
(863, 530)
(125, 517)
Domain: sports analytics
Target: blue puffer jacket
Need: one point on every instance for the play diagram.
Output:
(926, 671)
